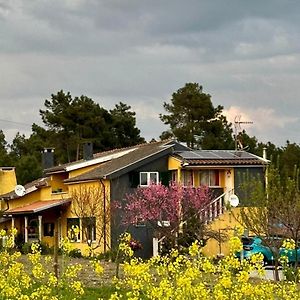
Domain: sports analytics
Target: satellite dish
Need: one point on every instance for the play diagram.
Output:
(234, 200)
(20, 190)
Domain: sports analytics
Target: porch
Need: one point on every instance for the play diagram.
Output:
(37, 221)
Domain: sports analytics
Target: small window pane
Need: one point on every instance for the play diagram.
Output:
(204, 178)
(143, 176)
(71, 223)
(187, 178)
(214, 178)
(153, 177)
(89, 228)
(48, 229)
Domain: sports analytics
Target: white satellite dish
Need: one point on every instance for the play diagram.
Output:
(20, 190)
(234, 200)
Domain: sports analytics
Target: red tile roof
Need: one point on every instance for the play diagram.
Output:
(197, 162)
(36, 207)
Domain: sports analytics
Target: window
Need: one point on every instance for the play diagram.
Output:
(174, 176)
(89, 228)
(146, 178)
(33, 229)
(209, 177)
(73, 229)
(187, 178)
(48, 229)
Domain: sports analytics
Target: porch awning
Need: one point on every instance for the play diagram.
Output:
(36, 207)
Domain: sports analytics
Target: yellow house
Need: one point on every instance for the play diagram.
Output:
(80, 193)
(223, 171)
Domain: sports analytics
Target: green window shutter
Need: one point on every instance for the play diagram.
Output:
(165, 177)
(134, 179)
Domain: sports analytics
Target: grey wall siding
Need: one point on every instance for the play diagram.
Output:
(243, 175)
(123, 185)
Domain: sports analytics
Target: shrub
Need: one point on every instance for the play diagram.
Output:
(75, 253)
(46, 249)
(26, 248)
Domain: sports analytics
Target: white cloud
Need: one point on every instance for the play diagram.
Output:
(265, 120)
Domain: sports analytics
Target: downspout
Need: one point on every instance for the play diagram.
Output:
(104, 214)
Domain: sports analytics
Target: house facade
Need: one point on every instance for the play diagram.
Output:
(80, 193)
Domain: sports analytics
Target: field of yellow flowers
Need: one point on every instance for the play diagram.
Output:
(176, 276)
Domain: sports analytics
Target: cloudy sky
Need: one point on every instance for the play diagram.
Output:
(246, 54)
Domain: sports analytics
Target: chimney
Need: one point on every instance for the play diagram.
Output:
(264, 153)
(48, 158)
(87, 151)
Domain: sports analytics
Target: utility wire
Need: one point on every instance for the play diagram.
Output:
(14, 122)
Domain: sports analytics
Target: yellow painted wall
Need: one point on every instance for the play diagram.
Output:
(70, 213)
(173, 165)
(57, 182)
(226, 223)
(77, 172)
(8, 180)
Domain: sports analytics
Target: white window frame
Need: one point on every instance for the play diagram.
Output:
(76, 238)
(148, 178)
(93, 231)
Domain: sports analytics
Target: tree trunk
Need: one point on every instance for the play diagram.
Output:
(276, 271)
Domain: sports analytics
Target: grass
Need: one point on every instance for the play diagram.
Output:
(103, 292)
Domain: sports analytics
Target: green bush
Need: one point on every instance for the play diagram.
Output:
(25, 248)
(75, 253)
(45, 249)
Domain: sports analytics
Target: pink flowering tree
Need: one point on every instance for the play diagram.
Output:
(171, 210)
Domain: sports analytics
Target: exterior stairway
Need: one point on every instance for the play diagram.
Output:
(211, 212)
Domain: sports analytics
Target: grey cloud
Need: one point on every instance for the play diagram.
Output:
(244, 53)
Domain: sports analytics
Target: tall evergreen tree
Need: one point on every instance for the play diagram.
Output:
(4, 158)
(124, 126)
(193, 119)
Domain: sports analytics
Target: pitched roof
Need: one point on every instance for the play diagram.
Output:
(97, 158)
(219, 157)
(36, 207)
(29, 187)
(141, 154)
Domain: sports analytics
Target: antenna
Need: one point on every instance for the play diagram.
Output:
(237, 129)
(20, 190)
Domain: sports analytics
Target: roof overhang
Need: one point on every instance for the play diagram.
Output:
(36, 207)
(97, 160)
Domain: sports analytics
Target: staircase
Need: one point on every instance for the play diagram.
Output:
(208, 214)
(215, 208)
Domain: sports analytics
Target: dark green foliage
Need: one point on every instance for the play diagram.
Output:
(123, 126)
(69, 122)
(193, 119)
(4, 157)
(25, 248)
(75, 253)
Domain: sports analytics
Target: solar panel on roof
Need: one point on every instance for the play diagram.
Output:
(206, 154)
(224, 154)
(189, 155)
(216, 154)
(243, 154)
